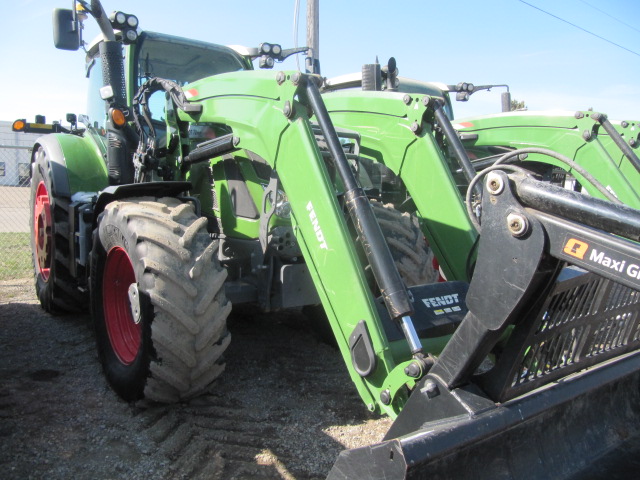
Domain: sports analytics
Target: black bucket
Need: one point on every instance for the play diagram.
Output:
(584, 426)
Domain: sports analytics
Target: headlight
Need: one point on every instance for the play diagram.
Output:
(131, 35)
(265, 48)
(265, 62)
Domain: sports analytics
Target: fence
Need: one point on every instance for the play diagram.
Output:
(15, 251)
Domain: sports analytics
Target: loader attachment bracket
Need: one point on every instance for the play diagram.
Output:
(554, 309)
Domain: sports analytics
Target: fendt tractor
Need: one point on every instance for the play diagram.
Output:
(194, 182)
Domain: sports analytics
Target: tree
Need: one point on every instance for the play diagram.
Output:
(517, 105)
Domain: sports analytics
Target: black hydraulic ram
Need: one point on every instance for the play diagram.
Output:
(451, 134)
(394, 292)
(602, 119)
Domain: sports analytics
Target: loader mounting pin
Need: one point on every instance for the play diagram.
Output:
(385, 397)
(280, 78)
(495, 184)
(518, 225)
(288, 109)
(415, 127)
(413, 370)
(406, 99)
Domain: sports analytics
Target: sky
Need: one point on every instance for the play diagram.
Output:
(547, 62)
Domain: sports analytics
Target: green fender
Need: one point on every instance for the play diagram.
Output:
(76, 164)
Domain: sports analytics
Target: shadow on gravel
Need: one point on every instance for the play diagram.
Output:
(281, 409)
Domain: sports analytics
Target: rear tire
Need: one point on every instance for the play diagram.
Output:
(158, 302)
(56, 289)
(409, 249)
(412, 255)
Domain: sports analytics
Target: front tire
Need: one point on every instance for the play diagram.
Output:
(158, 302)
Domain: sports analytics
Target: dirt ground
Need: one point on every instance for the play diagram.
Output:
(284, 408)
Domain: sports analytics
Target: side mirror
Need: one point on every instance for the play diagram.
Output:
(73, 120)
(66, 34)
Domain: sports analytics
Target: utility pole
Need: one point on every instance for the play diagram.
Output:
(312, 62)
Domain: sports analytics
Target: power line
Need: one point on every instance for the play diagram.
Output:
(583, 29)
(610, 16)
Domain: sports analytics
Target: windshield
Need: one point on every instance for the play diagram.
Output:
(182, 60)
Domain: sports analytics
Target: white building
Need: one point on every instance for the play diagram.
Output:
(15, 155)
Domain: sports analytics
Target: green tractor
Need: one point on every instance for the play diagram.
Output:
(197, 182)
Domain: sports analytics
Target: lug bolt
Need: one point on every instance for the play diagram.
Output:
(495, 184)
(517, 224)
(288, 109)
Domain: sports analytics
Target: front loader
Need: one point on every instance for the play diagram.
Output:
(198, 183)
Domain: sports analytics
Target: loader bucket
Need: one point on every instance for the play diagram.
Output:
(582, 427)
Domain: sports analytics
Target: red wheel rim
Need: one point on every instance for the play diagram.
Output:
(124, 333)
(42, 229)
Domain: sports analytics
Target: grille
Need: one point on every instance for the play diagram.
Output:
(585, 320)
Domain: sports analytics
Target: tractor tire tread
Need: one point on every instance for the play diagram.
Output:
(188, 330)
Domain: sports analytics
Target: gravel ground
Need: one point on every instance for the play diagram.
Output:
(284, 408)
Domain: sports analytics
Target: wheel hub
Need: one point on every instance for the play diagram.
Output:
(121, 306)
(42, 230)
(134, 301)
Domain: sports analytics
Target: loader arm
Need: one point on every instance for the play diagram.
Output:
(398, 130)
(605, 149)
(562, 270)
(268, 115)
